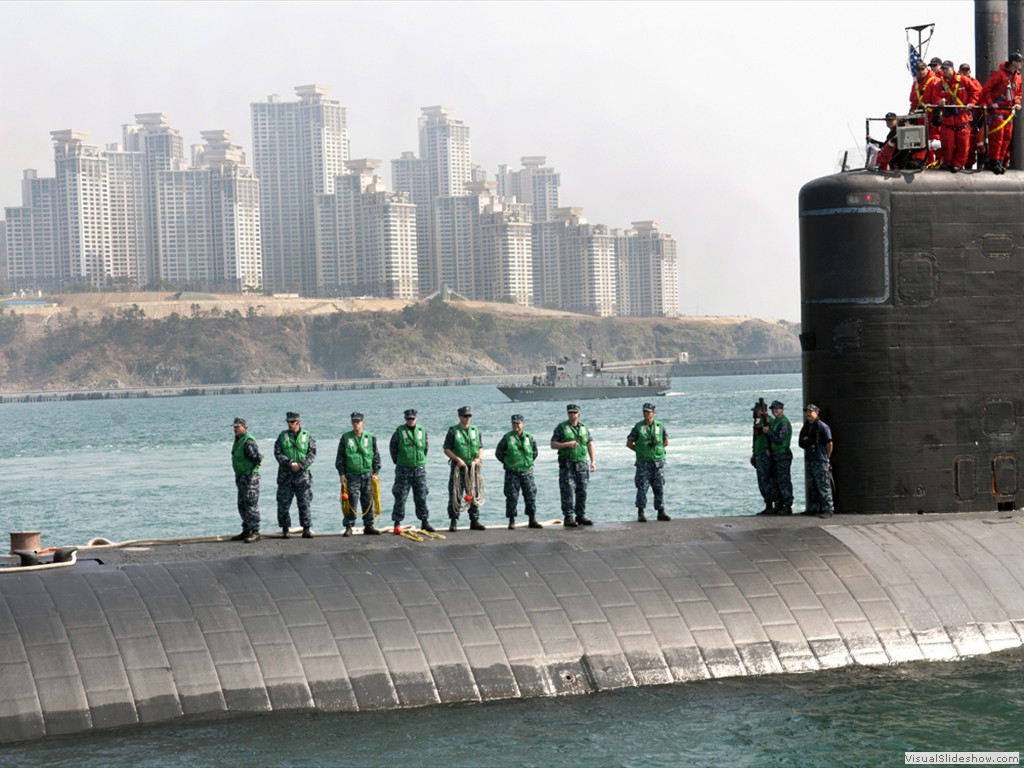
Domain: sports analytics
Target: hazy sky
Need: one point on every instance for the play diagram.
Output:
(706, 116)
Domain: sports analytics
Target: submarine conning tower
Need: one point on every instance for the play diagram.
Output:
(912, 339)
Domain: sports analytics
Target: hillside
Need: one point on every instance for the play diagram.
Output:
(102, 340)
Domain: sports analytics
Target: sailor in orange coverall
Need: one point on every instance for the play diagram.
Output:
(919, 88)
(949, 93)
(1001, 95)
(918, 103)
(977, 116)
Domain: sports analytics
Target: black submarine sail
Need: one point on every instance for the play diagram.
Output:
(912, 285)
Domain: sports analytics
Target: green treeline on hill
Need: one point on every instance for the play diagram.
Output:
(427, 339)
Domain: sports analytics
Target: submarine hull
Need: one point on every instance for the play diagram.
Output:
(912, 344)
(389, 626)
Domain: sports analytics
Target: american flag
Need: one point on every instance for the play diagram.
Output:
(912, 59)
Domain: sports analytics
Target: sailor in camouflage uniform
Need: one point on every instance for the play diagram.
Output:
(816, 440)
(648, 440)
(517, 450)
(780, 433)
(762, 462)
(246, 459)
(464, 449)
(575, 445)
(358, 462)
(295, 451)
(408, 449)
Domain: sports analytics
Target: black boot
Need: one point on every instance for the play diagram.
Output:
(568, 522)
(476, 525)
(534, 523)
(511, 523)
(426, 526)
(640, 516)
(453, 526)
(662, 516)
(583, 520)
(240, 537)
(252, 538)
(348, 531)
(369, 530)
(306, 533)
(285, 532)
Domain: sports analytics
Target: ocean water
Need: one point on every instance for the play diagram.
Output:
(134, 469)
(847, 718)
(130, 469)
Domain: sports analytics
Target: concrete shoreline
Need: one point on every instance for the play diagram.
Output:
(135, 393)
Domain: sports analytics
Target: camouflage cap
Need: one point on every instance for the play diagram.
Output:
(572, 408)
(465, 411)
(649, 407)
(517, 418)
(357, 416)
(291, 416)
(238, 422)
(410, 413)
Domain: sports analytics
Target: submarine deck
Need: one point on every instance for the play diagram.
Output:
(603, 534)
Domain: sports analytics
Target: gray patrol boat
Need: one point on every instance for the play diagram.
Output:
(592, 380)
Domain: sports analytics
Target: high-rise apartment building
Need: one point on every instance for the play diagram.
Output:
(128, 200)
(547, 262)
(485, 245)
(505, 253)
(366, 237)
(534, 184)
(537, 186)
(588, 265)
(83, 222)
(409, 177)
(442, 170)
(235, 193)
(208, 224)
(31, 238)
(453, 231)
(648, 271)
(162, 149)
(299, 149)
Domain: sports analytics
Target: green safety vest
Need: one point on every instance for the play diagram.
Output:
(581, 435)
(778, 448)
(761, 444)
(239, 461)
(518, 452)
(412, 446)
(645, 436)
(358, 452)
(466, 443)
(295, 447)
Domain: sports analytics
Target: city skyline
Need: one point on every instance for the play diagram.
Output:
(647, 110)
(135, 214)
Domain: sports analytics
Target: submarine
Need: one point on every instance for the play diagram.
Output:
(911, 336)
(910, 346)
